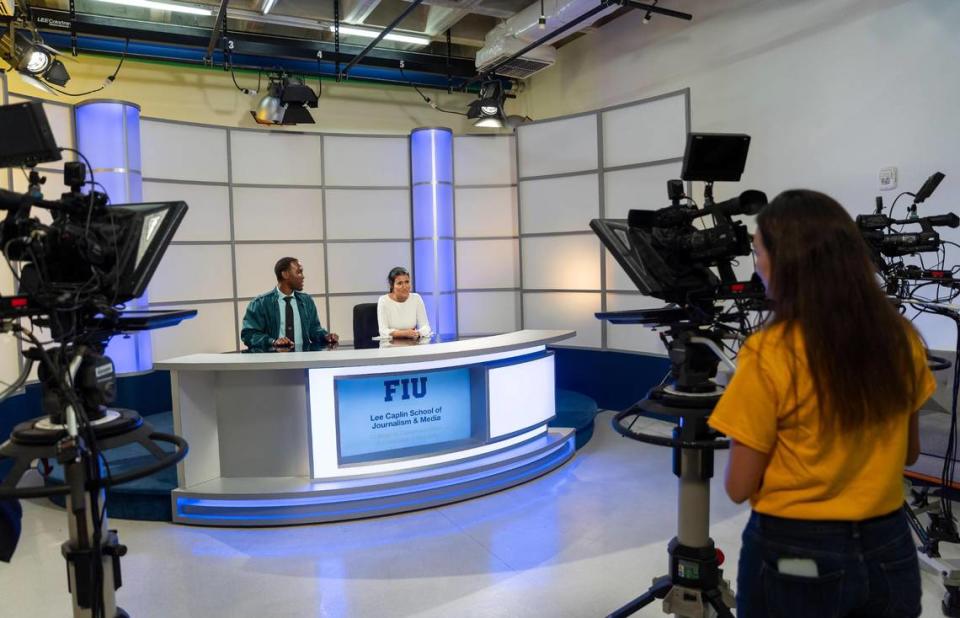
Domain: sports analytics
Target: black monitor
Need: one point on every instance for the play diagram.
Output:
(27, 138)
(715, 156)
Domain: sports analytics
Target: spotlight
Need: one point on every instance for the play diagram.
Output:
(22, 48)
(487, 110)
(286, 102)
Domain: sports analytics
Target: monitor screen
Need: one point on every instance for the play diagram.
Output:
(715, 156)
(27, 138)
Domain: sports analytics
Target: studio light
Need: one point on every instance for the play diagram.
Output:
(487, 110)
(286, 102)
(23, 50)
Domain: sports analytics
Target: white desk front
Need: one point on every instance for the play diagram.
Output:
(298, 437)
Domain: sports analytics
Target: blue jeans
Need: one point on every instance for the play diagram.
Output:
(864, 568)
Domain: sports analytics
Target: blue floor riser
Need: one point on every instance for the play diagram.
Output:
(148, 499)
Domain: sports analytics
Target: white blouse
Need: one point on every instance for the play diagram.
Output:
(411, 313)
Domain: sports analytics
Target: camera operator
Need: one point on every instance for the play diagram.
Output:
(822, 417)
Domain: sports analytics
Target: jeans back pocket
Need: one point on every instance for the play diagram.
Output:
(794, 596)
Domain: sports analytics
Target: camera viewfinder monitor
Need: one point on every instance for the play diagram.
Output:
(27, 138)
(715, 156)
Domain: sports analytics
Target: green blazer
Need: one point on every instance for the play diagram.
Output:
(261, 323)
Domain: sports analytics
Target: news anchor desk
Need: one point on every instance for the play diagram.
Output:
(301, 437)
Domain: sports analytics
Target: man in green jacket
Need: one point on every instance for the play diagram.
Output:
(284, 316)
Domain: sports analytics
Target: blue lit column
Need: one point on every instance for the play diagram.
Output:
(108, 134)
(434, 258)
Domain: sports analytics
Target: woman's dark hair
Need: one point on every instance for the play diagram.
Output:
(395, 272)
(282, 265)
(859, 348)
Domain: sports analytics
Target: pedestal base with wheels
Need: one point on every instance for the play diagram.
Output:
(694, 586)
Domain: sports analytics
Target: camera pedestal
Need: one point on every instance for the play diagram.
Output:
(694, 586)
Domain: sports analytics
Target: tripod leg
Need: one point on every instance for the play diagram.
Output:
(661, 586)
(20, 467)
(715, 598)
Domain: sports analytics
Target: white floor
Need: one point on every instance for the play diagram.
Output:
(578, 542)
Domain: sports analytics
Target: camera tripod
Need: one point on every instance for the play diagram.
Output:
(694, 586)
(75, 433)
(695, 581)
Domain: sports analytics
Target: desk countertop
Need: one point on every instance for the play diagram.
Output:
(349, 357)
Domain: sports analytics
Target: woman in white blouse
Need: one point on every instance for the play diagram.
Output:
(401, 313)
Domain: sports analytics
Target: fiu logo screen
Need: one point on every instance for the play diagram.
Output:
(405, 388)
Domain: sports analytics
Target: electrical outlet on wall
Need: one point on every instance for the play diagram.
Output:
(888, 178)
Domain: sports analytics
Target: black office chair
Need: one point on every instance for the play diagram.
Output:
(365, 326)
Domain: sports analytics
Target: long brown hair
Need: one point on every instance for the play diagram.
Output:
(859, 348)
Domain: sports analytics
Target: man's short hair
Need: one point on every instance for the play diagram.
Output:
(283, 264)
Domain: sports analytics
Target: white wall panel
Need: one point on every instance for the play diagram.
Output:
(319, 301)
(559, 204)
(366, 161)
(354, 214)
(9, 359)
(211, 331)
(183, 152)
(561, 263)
(363, 267)
(270, 158)
(489, 211)
(193, 272)
(341, 314)
(488, 312)
(484, 160)
(255, 266)
(7, 281)
(208, 215)
(650, 131)
(633, 337)
(558, 146)
(567, 311)
(277, 214)
(643, 188)
(488, 264)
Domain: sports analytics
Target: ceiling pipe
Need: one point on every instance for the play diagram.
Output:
(186, 56)
(366, 50)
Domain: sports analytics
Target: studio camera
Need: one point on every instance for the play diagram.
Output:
(889, 244)
(75, 270)
(685, 255)
(668, 256)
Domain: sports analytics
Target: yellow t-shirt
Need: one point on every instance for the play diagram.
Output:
(811, 474)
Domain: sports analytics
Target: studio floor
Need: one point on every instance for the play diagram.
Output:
(578, 542)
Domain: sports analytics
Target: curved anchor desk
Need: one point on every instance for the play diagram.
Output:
(305, 437)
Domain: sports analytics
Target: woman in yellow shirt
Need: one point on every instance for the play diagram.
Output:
(822, 417)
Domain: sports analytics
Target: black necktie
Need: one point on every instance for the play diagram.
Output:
(288, 316)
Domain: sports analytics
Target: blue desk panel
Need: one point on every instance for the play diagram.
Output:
(399, 415)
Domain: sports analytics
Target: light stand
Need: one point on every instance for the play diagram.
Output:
(942, 528)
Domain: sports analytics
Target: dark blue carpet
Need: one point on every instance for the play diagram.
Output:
(144, 499)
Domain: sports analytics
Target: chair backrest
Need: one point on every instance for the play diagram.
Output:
(365, 326)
